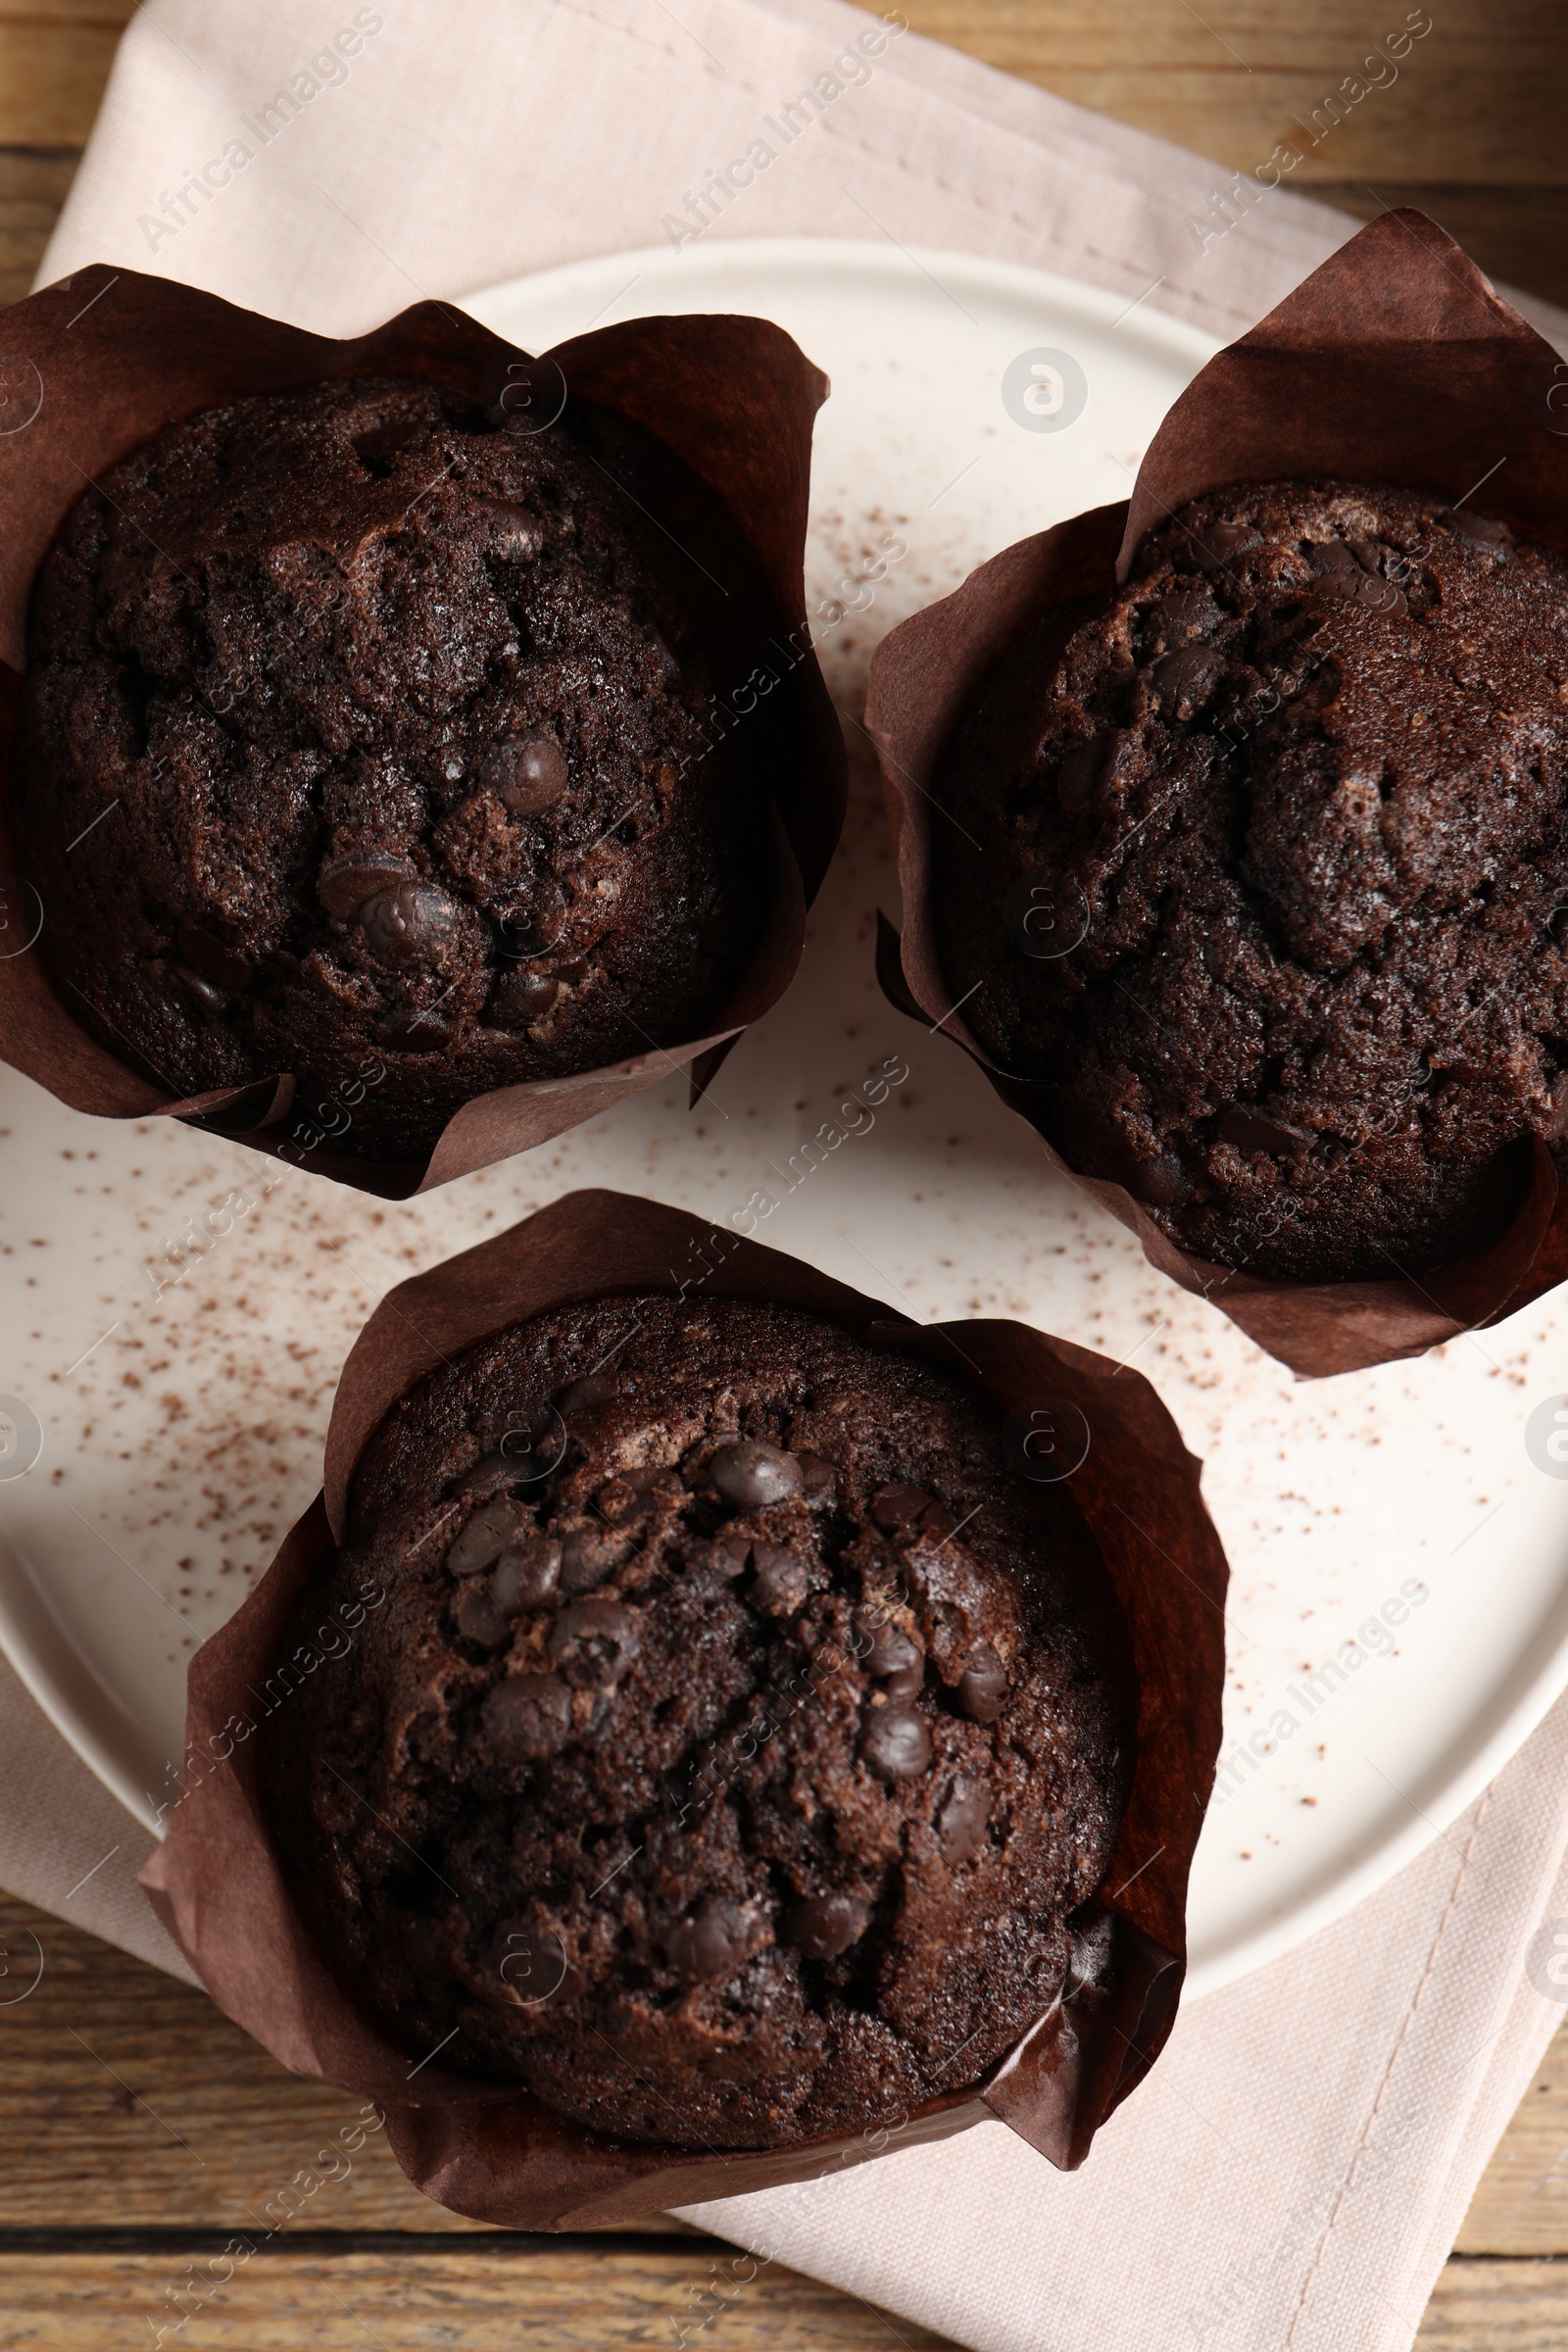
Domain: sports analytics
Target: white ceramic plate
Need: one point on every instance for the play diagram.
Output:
(180, 1434)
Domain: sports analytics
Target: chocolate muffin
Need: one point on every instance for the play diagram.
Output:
(736, 1741)
(371, 738)
(1257, 867)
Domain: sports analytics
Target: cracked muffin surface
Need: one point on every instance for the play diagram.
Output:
(739, 1738)
(363, 731)
(1260, 867)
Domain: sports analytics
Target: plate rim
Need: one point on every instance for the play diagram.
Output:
(31, 1660)
(1186, 340)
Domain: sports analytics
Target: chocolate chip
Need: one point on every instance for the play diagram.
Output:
(345, 883)
(1481, 531)
(825, 1925)
(493, 1526)
(538, 923)
(476, 1616)
(892, 1507)
(936, 1520)
(520, 998)
(982, 1690)
(896, 1743)
(1255, 1131)
(894, 1658)
(413, 1032)
(1354, 586)
(820, 1479)
(1183, 679)
(581, 1395)
(1160, 1183)
(653, 1479)
(526, 1575)
(409, 924)
(1330, 554)
(962, 1822)
(714, 1941)
(212, 958)
(1183, 609)
(781, 1581)
(594, 1642)
(492, 1474)
(203, 994)
(528, 773)
(587, 1556)
(1222, 543)
(528, 1715)
(749, 1473)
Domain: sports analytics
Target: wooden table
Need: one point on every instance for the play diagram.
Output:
(138, 2129)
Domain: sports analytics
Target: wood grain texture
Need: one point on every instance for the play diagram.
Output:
(481, 2297)
(126, 2097)
(32, 188)
(1521, 2201)
(1478, 97)
(54, 13)
(1484, 2305)
(127, 2104)
(52, 76)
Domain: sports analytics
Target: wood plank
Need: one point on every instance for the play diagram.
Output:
(127, 2097)
(496, 2298)
(1486, 2305)
(52, 76)
(1521, 2201)
(32, 189)
(1328, 38)
(485, 2298)
(1477, 98)
(1459, 123)
(1257, 37)
(56, 14)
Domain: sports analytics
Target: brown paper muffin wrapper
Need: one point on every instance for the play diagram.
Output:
(1393, 363)
(92, 368)
(498, 2154)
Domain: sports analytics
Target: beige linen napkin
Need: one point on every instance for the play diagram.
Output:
(1293, 2171)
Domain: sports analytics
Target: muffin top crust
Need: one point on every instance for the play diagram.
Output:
(1260, 867)
(738, 1739)
(368, 738)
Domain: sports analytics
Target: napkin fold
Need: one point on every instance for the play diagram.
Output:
(1293, 2171)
